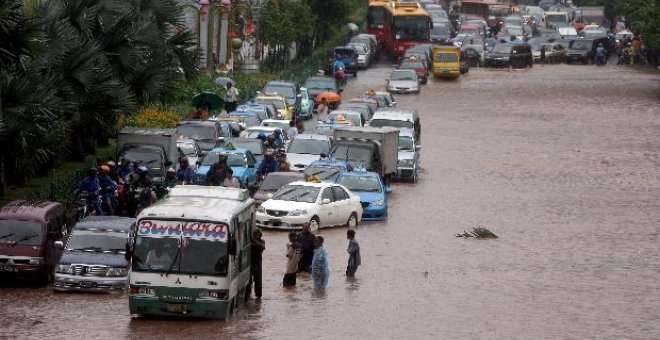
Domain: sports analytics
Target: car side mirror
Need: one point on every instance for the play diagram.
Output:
(325, 201)
(418, 147)
(388, 190)
(340, 90)
(393, 104)
(251, 166)
(323, 155)
(299, 95)
(59, 245)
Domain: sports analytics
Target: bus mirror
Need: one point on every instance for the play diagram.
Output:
(231, 246)
(129, 252)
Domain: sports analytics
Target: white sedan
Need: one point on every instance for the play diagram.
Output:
(320, 204)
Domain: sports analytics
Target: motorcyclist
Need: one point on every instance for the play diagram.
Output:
(90, 186)
(601, 54)
(124, 169)
(269, 163)
(217, 172)
(185, 174)
(338, 64)
(108, 190)
(170, 178)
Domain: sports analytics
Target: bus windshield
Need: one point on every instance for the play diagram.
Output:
(180, 256)
(376, 17)
(411, 28)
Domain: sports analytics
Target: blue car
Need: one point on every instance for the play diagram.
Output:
(264, 111)
(372, 192)
(327, 170)
(241, 162)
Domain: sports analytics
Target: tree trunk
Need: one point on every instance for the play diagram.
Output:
(2, 157)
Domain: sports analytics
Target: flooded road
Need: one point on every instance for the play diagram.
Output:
(561, 162)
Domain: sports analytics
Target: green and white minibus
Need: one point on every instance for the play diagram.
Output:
(190, 254)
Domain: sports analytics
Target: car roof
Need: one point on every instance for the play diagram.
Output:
(345, 112)
(313, 184)
(281, 82)
(223, 150)
(196, 122)
(107, 223)
(36, 210)
(330, 163)
(404, 71)
(361, 174)
(244, 113)
(312, 136)
(270, 96)
(325, 78)
(273, 120)
(292, 174)
(393, 115)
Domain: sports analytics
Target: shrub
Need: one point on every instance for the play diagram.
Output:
(150, 117)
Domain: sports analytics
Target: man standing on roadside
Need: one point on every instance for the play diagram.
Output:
(306, 240)
(354, 259)
(320, 268)
(257, 246)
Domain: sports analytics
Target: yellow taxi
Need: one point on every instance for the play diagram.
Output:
(280, 104)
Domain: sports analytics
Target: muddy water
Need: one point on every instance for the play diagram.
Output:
(560, 161)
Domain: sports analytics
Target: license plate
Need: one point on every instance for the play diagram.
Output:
(87, 284)
(176, 308)
(276, 222)
(445, 71)
(8, 269)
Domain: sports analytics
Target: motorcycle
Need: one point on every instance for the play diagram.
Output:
(340, 76)
(85, 205)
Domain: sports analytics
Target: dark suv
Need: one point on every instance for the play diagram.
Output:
(584, 50)
(346, 55)
(516, 55)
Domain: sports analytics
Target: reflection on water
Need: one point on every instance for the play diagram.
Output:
(564, 170)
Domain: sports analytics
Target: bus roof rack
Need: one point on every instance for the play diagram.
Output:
(209, 192)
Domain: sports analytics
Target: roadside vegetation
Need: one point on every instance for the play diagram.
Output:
(73, 72)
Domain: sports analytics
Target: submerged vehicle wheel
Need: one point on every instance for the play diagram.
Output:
(352, 222)
(314, 224)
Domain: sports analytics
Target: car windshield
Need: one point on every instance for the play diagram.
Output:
(282, 90)
(355, 119)
(309, 146)
(359, 48)
(446, 57)
(196, 131)
(439, 30)
(411, 28)
(180, 255)
(321, 84)
(392, 123)
(248, 120)
(188, 149)
(97, 241)
(20, 232)
(283, 124)
(411, 65)
(145, 157)
(353, 153)
(361, 183)
(514, 30)
(297, 193)
(324, 173)
(278, 103)
(502, 48)
(254, 146)
(406, 144)
(403, 76)
(233, 159)
(580, 45)
(273, 181)
(255, 133)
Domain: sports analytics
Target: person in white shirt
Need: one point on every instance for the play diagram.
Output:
(158, 257)
(231, 181)
(293, 130)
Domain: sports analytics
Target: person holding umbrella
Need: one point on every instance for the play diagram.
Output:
(231, 97)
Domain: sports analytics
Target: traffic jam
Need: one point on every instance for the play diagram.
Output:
(176, 231)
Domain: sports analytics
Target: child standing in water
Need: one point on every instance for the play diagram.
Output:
(354, 259)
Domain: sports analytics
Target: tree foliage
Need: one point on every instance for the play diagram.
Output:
(69, 68)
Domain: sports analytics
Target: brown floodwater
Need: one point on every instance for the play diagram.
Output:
(561, 162)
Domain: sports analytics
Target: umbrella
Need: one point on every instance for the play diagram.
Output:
(222, 81)
(330, 97)
(207, 98)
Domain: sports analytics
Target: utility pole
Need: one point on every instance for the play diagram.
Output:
(2, 158)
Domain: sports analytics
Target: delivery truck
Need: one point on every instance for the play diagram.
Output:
(372, 148)
(154, 148)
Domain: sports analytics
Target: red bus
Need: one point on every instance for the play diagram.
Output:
(376, 18)
(406, 24)
(493, 11)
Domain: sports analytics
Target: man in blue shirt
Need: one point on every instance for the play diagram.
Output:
(185, 174)
(268, 165)
(90, 185)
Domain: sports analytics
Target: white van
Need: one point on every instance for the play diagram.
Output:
(190, 254)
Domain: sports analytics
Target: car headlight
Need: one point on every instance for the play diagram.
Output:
(36, 261)
(261, 209)
(142, 290)
(214, 294)
(406, 162)
(297, 212)
(117, 272)
(378, 203)
(65, 269)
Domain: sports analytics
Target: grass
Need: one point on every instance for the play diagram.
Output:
(58, 181)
